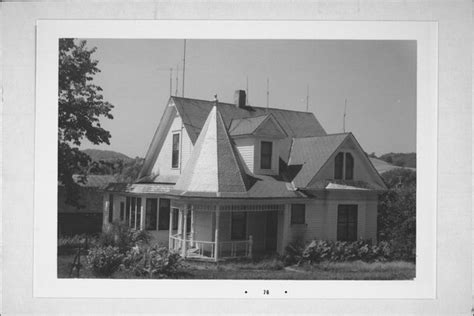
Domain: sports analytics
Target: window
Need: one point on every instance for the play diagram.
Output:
(266, 155)
(338, 165)
(347, 222)
(139, 213)
(175, 153)
(298, 213)
(239, 226)
(133, 213)
(150, 214)
(111, 208)
(164, 220)
(127, 209)
(349, 167)
(122, 211)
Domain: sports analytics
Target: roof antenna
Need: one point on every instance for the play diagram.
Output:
(171, 81)
(184, 64)
(177, 76)
(344, 118)
(247, 92)
(307, 98)
(215, 98)
(268, 91)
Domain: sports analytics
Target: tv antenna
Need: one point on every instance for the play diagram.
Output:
(184, 65)
(247, 92)
(307, 98)
(171, 81)
(344, 117)
(268, 91)
(177, 75)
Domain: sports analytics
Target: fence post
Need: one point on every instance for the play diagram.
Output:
(250, 246)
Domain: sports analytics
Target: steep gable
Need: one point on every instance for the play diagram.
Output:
(214, 165)
(265, 126)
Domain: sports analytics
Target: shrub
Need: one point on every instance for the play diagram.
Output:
(104, 261)
(153, 261)
(337, 251)
(69, 244)
(122, 236)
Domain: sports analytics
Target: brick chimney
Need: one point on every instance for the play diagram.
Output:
(240, 99)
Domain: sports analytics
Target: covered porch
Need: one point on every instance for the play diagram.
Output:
(217, 231)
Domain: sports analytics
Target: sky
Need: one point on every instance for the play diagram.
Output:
(377, 78)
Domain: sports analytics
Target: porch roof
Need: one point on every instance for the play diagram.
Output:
(139, 188)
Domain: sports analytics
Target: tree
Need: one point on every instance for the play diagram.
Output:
(81, 105)
(397, 213)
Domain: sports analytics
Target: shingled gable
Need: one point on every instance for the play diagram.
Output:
(313, 153)
(214, 166)
(294, 123)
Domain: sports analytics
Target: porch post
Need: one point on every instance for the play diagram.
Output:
(142, 214)
(192, 226)
(105, 216)
(185, 225)
(216, 239)
(180, 229)
(171, 227)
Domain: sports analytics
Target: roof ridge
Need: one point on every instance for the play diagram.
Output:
(321, 136)
(250, 106)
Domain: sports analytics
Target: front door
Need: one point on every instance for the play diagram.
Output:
(271, 227)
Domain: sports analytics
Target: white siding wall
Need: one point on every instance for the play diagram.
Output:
(163, 162)
(245, 146)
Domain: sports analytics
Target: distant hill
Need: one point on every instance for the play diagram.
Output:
(400, 159)
(383, 166)
(106, 155)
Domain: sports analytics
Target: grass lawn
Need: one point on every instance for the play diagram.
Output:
(272, 269)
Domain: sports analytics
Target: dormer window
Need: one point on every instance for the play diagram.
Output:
(175, 151)
(344, 166)
(266, 149)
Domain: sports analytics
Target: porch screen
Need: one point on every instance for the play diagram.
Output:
(139, 213)
(133, 212)
(239, 225)
(164, 216)
(111, 208)
(127, 209)
(347, 222)
(150, 214)
(122, 211)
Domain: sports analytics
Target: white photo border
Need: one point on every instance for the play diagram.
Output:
(45, 281)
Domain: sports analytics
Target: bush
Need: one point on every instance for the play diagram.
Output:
(336, 251)
(153, 261)
(122, 236)
(104, 261)
(70, 244)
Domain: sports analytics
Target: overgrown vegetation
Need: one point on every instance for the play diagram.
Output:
(396, 219)
(318, 251)
(152, 261)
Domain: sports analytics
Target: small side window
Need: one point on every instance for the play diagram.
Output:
(298, 214)
(266, 155)
(175, 151)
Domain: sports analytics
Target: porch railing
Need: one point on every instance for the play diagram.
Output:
(201, 249)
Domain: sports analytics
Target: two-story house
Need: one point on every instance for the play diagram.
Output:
(226, 180)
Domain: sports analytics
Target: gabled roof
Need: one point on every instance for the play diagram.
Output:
(312, 153)
(214, 165)
(294, 123)
(252, 125)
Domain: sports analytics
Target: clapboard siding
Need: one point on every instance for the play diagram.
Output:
(163, 162)
(246, 146)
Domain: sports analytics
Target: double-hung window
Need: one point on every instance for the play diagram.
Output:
(298, 213)
(175, 151)
(347, 222)
(266, 149)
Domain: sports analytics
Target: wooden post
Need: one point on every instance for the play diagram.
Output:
(192, 226)
(142, 214)
(171, 228)
(216, 239)
(250, 246)
(185, 225)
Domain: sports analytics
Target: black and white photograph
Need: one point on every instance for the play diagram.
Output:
(237, 159)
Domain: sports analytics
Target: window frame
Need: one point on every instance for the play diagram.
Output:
(349, 157)
(339, 166)
(345, 234)
(177, 151)
(122, 211)
(111, 208)
(262, 167)
(293, 217)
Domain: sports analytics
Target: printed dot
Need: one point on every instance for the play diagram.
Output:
(245, 292)
(286, 292)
